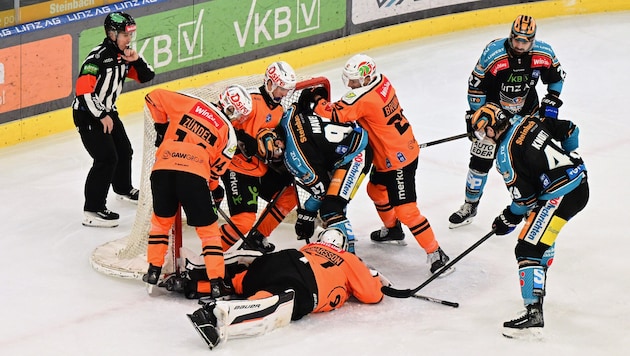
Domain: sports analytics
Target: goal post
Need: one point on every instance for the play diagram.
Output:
(127, 257)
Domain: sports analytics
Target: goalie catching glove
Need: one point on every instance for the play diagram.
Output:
(549, 106)
(506, 222)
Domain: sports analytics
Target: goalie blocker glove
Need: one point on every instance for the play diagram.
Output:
(549, 106)
(506, 222)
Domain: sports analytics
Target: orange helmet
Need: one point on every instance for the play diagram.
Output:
(523, 30)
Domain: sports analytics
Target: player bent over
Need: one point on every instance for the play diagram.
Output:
(548, 183)
(196, 142)
(329, 161)
(278, 287)
(372, 103)
(507, 73)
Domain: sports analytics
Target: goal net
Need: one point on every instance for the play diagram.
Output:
(127, 257)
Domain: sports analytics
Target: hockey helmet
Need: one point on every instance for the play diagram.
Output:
(282, 75)
(119, 22)
(335, 237)
(359, 67)
(489, 115)
(235, 102)
(523, 30)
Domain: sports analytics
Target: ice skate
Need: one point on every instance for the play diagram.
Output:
(437, 260)
(529, 325)
(464, 215)
(392, 234)
(205, 322)
(131, 197)
(257, 242)
(102, 218)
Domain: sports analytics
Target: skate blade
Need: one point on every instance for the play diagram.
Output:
(155, 291)
(448, 272)
(529, 334)
(392, 242)
(463, 223)
(203, 335)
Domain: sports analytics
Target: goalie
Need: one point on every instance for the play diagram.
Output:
(287, 285)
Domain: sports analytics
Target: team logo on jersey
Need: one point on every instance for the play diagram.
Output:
(268, 118)
(401, 157)
(384, 88)
(535, 74)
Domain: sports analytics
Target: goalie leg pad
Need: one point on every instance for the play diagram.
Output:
(246, 318)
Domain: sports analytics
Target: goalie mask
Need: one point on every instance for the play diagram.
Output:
(335, 237)
(279, 75)
(235, 102)
(358, 68)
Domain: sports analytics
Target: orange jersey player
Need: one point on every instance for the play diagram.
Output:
(249, 175)
(373, 104)
(287, 285)
(196, 142)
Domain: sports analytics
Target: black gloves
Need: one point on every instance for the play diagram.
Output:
(246, 144)
(506, 222)
(311, 96)
(549, 106)
(305, 224)
(160, 129)
(218, 195)
(469, 129)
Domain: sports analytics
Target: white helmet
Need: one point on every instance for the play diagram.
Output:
(281, 75)
(235, 102)
(359, 67)
(335, 237)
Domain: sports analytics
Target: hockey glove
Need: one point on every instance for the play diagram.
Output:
(506, 222)
(305, 224)
(246, 144)
(266, 144)
(469, 129)
(549, 106)
(218, 195)
(160, 130)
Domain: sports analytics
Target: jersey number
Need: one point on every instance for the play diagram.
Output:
(400, 122)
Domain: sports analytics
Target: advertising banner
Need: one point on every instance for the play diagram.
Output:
(370, 10)
(186, 36)
(35, 73)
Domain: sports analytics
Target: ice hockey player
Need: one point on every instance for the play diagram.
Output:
(548, 183)
(329, 161)
(249, 176)
(196, 142)
(287, 285)
(507, 73)
(373, 104)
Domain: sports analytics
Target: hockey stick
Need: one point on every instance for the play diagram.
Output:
(446, 139)
(231, 223)
(435, 300)
(406, 293)
(267, 210)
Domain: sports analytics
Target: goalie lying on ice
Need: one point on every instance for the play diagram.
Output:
(275, 288)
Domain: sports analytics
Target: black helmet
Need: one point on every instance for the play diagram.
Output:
(119, 22)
